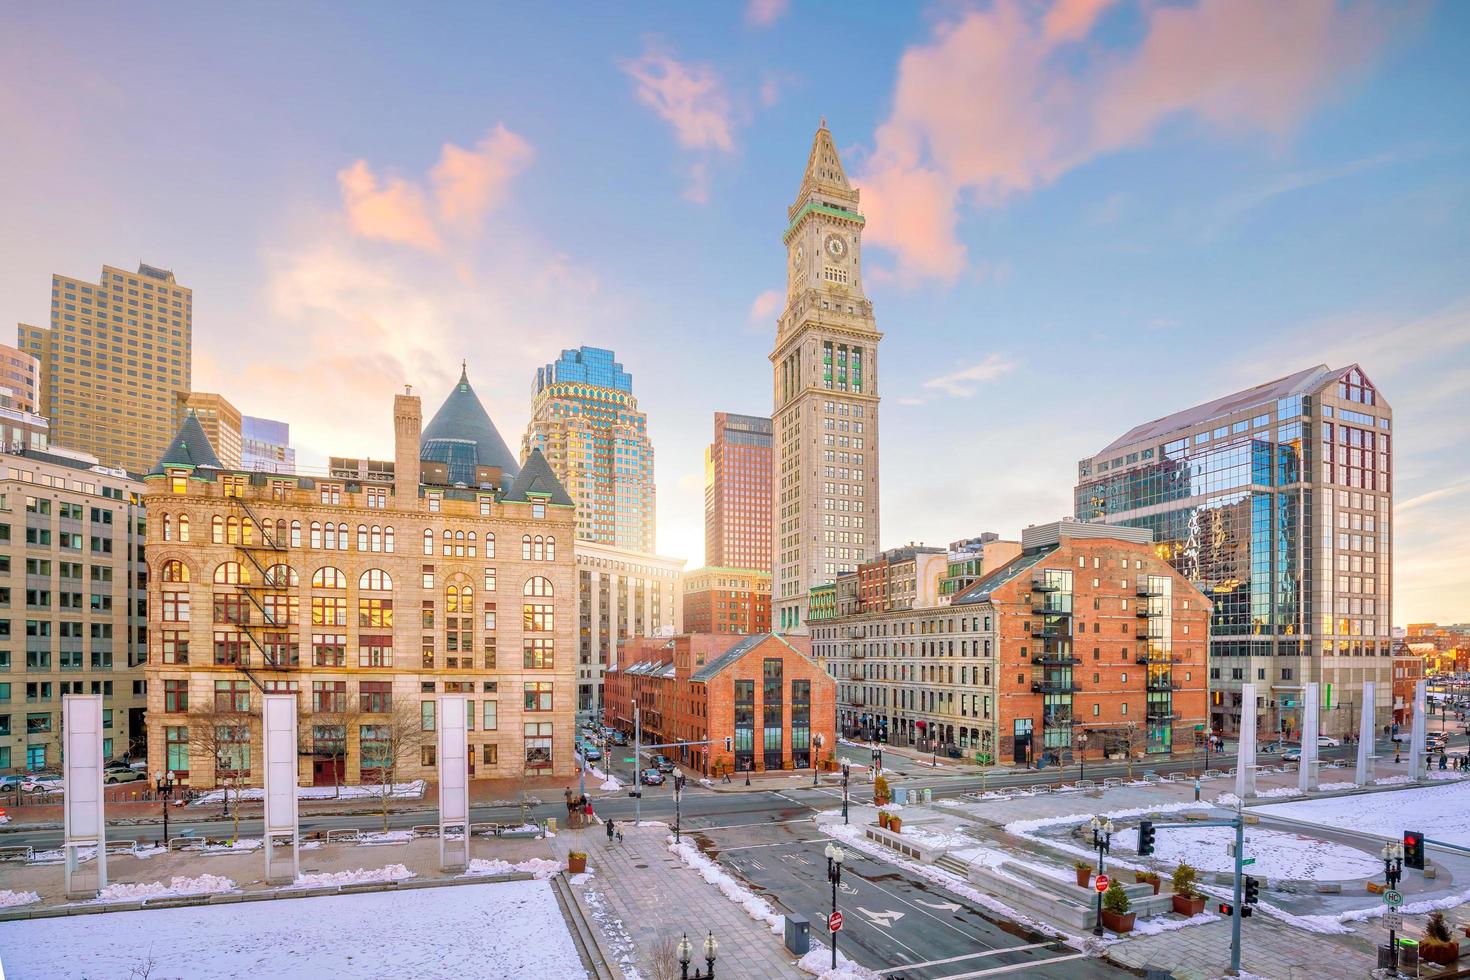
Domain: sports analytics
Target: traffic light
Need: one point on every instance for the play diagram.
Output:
(1414, 849)
(728, 743)
(1225, 908)
(1245, 911)
(1252, 890)
(1145, 837)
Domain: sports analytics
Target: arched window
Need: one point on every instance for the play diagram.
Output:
(538, 586)
(183, 527)
(388, 539)
(525, 547)
(247, 531)
(329, 577)
(538, 549)
(175, 571)
(472, 544)
(295, 534)
(459, 624)
(376, 580)
(362, 537)
(232, 530)
(489, 544)
(278, 535)
(551, 549)
(428, 541)
(316, 534)
(451, 600)
(168, 528)
(230, 573)
(343, 541)
(329, 537)
(281, 577)
(459, 544)
(377, 538)
(217, 529)
(448, 542)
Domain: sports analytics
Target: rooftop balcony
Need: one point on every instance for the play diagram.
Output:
(1054, 687)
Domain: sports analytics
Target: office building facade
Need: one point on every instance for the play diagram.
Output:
(20, 375)
(621, 595)
(265, 445)
(727, 600)
(737, 493)
(221, 422)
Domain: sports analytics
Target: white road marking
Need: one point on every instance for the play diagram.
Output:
(993, 971)
(885, 919)
(942, 906)
(967, 956)
(779, 843)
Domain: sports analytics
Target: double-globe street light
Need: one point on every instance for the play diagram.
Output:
(163, 782)
(834, 875)
(1102, 839)
(686, 954)
(1393, 869)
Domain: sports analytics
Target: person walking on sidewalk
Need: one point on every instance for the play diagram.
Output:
(610, 830)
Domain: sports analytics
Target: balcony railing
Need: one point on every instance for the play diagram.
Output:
(1047, 632)
(1041, 609)
(1053, 687)
(1161, 715)
(1142, 633)
(1056, 660)
(1144, 592)
(1160, 685)
(1144, 612)
(1144, 658)
(1042, 585)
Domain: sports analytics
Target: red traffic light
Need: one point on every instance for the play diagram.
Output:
(1224, 908)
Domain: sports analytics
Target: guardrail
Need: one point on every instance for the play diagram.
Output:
(425, 830)
(343, 834)
(18, 853)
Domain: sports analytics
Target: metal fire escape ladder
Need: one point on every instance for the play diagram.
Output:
(246, 549)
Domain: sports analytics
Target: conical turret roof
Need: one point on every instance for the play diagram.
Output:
(536, 477)
(190, 449)
(825, 177)
(462, 425)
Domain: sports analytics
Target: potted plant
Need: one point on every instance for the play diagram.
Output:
(880, 790)
(576, 862)
(1187, 899)
(1148, 878)
(883, 816)
(1084, 873)
(1115, 908)
(895, 823)
(1438, 946)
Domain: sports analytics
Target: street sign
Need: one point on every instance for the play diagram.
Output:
(1245, 861)
(1393, 920)
(1102, 883)
(834, 922)
(628, 759)
(1393, 899)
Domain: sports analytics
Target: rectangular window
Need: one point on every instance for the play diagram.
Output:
(539, 654)
(426, 715)
(176, 740)
(538, 696)
(488, 716)
(376, 697)
(176, 695)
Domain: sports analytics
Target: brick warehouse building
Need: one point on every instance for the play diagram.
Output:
(763, 692)
(449, 570)
(1088, 641)
(727, 600)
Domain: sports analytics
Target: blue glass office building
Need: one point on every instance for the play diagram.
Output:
(585, 365)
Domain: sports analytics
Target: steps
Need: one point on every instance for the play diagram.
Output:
(584, 933)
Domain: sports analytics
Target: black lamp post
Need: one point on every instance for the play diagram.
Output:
(834, 875)
(1393, 869)
(820, 739)
(846, 771)
(164, 783)
(678, 794)
(1102, 839)
(686, 954)
(1082, 754)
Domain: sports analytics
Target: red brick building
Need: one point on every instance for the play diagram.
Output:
(1408, 670)
(727, 600)
(764, 693)
(737, 493)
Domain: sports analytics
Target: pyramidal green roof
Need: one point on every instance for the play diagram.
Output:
(536, 477)
(190, 449)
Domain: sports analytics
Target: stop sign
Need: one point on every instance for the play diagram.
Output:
(834, 922)
(1102, 883)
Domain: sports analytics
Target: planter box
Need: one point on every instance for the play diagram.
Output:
(1084, 877)
(1152, 882)
(1119, 922)
(1442, 953)
(1189, 907)
(576, 863)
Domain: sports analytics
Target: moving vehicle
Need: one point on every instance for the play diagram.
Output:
(663, 762)
(1327, 741)
(591, 753)
(651, 777)
(125, 774)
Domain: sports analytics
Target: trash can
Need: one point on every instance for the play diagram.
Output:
(551, 825)
(900, 794)
(798, 934)
(928, 795)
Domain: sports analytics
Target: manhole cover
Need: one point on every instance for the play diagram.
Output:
(641, 867)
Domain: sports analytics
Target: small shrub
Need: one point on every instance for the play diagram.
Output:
(1115, 899)
(880, 788)
(1184, 881)
(1081, 865)
(577, 854)
(1437, 929)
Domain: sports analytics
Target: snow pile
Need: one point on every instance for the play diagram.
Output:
(1230, 801)
(386, 837)
(400, 791)
(1026, 828)
(362, 876)
(755, 907)
(10, 899)
(619, 943)
(243, 844)
(57, 855)
(1152, 927)
(579, 880)
(925, 837)
(178, 885)
(1334, 787)
(1445, 807)
(540, 867)
(1392, 781)
(609, 784)
(818, 961)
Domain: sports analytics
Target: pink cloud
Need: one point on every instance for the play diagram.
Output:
(391, 211)
(986, 108)
(766, 307)
(764, 13)
(471, 183)
(689, 97)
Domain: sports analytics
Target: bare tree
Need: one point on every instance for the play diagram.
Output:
(663, 958)
(391, 740)
(325, 733)
(222, 731)
(1130, 740)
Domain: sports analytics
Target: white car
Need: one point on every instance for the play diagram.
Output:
(1327, 741)
(41, 784)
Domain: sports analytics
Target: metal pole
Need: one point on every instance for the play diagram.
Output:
(637, 775)
(1097, 927)
(1235, 909)
(834, 872)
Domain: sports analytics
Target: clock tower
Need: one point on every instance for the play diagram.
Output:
(825, 409)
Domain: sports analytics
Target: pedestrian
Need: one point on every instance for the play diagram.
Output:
(1196, 789)
(1443, 761)
(610, 822)
(1396, 758)
(587, 813)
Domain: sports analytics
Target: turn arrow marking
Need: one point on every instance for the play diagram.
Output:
(943, 906)
(884, 919)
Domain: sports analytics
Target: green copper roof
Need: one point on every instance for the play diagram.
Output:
(189, 450)
(835, 212)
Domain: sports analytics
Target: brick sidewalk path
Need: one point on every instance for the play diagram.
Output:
(656, 895)
(1268, 949)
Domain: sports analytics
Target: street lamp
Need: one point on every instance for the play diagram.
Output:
(686, 954)
(164, 783)
(820, 740)
(1102, 839)
(834, 875)
(678, 794)
(846, 771)
(1082, 753)
(1393, 869)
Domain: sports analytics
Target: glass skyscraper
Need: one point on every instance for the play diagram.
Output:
(1276, 502)
(587, 365)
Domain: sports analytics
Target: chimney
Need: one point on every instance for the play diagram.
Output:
(408, 426)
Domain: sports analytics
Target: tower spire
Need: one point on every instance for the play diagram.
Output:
(824, 179)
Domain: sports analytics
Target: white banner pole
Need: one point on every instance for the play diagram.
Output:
(454, 782)
(278, 735)
(81, 772)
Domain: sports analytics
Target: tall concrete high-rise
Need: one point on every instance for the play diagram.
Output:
(825, 416)
(1276, 501)
(585, 421)
(19, 374)
(220, 420)
(114, 359)
(737, 493)
(265, 445)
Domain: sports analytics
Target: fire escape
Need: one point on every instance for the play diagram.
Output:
(257, 556)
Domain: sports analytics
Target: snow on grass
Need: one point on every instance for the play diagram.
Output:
(10, 899)
(1446, 808)
(503, 930)
(1152, 927)
(755, 906)
(1278, 854)
(401, 791)
(178, 885)
(818, 961)
(540, 867)
(361, 876)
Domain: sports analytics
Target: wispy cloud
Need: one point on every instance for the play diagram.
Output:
(693, 99)
(764, 13)
(967, 381)
(765, 308)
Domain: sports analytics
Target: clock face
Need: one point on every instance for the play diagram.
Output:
(836, 247)
(798, 255)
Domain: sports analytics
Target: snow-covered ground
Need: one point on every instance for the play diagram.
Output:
(540, 867)
(1443, 810)
(508, 930)
(1278, 854)
(178, 885)
(401, 791)
(10, 899)
(360, 876)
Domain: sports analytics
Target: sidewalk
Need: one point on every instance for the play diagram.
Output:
(646, 894)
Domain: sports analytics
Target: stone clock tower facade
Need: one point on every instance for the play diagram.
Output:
(825, 408)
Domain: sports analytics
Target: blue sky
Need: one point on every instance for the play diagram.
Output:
(1082, 215)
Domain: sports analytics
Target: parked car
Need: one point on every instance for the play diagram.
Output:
(664, 763)
(1294, 755)
(1327, 741)
(126, 774)
(11, 783)
(41, 784)
(591, 753)
(651, 777)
